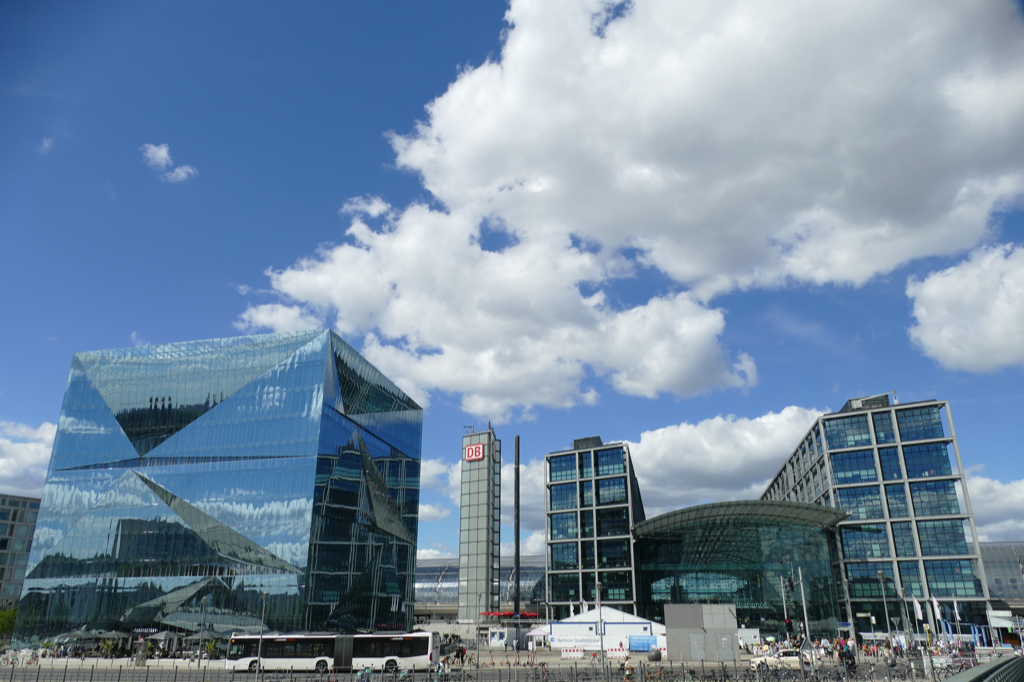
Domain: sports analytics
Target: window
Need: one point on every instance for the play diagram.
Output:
(854, 467)
(890, 460)
(919, 423)
(611, 462)
(613, 521)
(903, 538)
(586, 523)
(943, 537)
(847, 432)
(952, 579)
(563, 467)
(927, 460)
(611, 491)
(586, 493)
(897, 497)
(883, 428)
(864, 582)
(910, 576)
(934, 497)
(613, 553)
(588, 554)
(565, 587)
(865, 542)
(563, 496)
(564, 556)
(863, 503)
(586, 464)
(563, 526)
(616, 585)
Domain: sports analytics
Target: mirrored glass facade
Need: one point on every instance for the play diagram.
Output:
(738, 553)
(18, 517)
(220, 470)
(906, 455)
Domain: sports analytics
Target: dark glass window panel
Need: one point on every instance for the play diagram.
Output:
(847, 432)
(862, 503)
(613, 553)
(586, 523)
(564, 556)
(932, 498)
(865, 541)
(563, 526)
(563, 467)
(927, 460)
(586, 493)
(564, 587)
(942, 537)
(919, 423)
(953, 578)
(586, 462)
(903, 539)
(854, 467)
(910, 576)
(614, 521)
(616, 585)
(611, 462)
(890, 461)
(588, 554)
(884, 433)
(864, 582)
(611, 491)
(563, 496)
(896, 494)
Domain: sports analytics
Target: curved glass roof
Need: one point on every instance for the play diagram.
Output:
(764, 510)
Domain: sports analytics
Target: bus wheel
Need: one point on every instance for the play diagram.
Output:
(391, 666)
(321, 667)
(253, 666)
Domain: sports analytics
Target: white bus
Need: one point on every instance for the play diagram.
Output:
(323, 652)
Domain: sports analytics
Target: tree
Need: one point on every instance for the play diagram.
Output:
(7, 618)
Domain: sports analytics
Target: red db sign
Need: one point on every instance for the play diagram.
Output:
(474, 452)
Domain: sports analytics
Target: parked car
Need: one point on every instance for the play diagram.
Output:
(786, 658)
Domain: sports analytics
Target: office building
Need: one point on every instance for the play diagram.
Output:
(910, 534)
(592, 502)
(479, 525)
(261, 482)
(17, 526)
(742, 554)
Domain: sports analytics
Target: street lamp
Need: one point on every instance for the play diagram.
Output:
(476, 657)
(600, 625)
(885, 601)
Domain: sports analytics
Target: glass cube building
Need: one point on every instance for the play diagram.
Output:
(910, 534)
(188, 480)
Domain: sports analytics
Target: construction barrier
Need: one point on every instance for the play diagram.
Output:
(572, 653)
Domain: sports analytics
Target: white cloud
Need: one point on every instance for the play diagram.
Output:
(996, 506)
(138, 340)
(24, 457)
(971, 316)
(46, 146)
(157, 156)
(723, 458)
(729, 144)
(433, 473)
(433, 512)
(534, 543)
(531, 495)
(372, 206)
(427, 553)
(180, 174)
(279, 317)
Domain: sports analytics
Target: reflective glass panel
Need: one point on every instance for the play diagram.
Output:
(919, 423)
(614, 521)
(854, 467)
(564, 556)
(563, 467)
(862, 503)
(890, 461)
(884, 432)
(942, 537)
(611, 491)
(563, 496)
(903, 538)
(896, 494)
(847, 432)
(563, 526)
(932, 498)
(910, 576)
(865, 541)
(927, 460)
(611, 462)
(955, 578)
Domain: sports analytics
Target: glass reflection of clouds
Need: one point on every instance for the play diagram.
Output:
(281, 463)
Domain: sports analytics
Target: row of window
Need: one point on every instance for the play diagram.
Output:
(584, 464)
(920, 461)
(916, 423)
(572, 587)
(573, 525)
(944, 537)
(949, 578)
(567, 556)
(930, 498)
(572, 495)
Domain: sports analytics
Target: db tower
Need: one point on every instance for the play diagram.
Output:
(479, 525)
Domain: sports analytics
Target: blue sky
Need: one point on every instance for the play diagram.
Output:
(689, 227)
